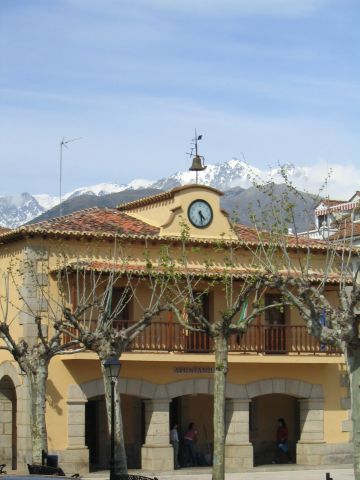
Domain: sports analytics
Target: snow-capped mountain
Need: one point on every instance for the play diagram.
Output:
(99, 190)
(19, 209)
(234, 173)
(46, 201)
(15, 210)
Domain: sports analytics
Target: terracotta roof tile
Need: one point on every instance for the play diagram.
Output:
(239, 273)
(330, 202)
(99, 222)
(347, 230)
(250, 235)
(92, 221)
(327, 202)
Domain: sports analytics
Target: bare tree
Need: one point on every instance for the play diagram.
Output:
(303, 277)
(33, 356)
(243, 289)
(97, 320)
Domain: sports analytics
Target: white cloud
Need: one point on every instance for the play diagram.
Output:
(122, 136)
(337, 181)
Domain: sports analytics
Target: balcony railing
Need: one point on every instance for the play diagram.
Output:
(280, 339)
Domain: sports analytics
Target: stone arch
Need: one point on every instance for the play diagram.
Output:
(8, 369)
(14, 418)
(286, 386)
(145, 389)
(311, 399)
(310, 396)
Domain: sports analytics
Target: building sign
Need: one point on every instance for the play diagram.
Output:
(188, 370)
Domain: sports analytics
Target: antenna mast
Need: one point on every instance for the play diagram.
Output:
(63, 143)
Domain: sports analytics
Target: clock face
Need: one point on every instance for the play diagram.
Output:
(200, 214)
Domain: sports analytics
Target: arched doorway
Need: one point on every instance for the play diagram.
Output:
(97, 437)
(264, 413)
(8, 445)
(197, 408)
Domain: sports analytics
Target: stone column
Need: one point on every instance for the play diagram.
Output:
(238, 449)
(34, 279)
(23, 415)
(157, 453)
(76, 456)
(311, 447)
(7, 424)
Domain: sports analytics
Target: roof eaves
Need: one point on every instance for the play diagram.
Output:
(142, 202)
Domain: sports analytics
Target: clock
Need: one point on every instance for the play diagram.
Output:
(200, 213)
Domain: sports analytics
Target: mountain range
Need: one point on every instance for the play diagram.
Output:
(234, 177)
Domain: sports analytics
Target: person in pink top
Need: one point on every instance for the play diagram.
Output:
(190, 439)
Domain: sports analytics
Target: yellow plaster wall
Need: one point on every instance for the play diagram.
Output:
(11, 257)
(170, 214)
(62, 374)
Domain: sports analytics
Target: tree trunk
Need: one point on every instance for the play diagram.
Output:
(221, 368)
(353, 364)
(37, 383)
(120, 454)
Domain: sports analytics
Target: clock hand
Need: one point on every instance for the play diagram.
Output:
(202, 218)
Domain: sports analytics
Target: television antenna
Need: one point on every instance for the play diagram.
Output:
(63, 143)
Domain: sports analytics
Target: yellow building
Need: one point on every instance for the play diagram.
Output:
(276, 370)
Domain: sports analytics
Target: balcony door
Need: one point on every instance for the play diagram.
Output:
(198, 342)
(275, 320)
(121, 304)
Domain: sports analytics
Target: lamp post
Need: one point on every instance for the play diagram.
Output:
(112, 368)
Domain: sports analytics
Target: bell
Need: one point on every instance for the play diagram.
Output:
(197, 164)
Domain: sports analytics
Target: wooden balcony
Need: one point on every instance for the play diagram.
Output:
(272, 340)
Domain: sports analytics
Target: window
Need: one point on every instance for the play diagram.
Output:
(198, 342)
(203, 304)
(276, 315)
(356, 215)
(121, 303)
(275, 329)
(322, 220)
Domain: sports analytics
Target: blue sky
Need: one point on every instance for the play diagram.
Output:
(270, 80)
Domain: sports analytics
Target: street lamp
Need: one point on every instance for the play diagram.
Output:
(112, 368)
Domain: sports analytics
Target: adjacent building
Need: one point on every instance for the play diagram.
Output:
(337, 220)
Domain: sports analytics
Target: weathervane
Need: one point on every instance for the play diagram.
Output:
(197, 161)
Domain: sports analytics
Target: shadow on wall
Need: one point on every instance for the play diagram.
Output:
(53, 397)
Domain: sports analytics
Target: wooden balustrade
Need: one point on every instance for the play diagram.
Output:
(173, 337)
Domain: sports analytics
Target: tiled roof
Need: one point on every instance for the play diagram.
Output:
(99, 222)
(347, 230)
(4, 230)
(238, 273)
(90, 222)
(327, 202)
(250, 236)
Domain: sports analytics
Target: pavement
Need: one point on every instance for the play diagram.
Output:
(268, 472)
